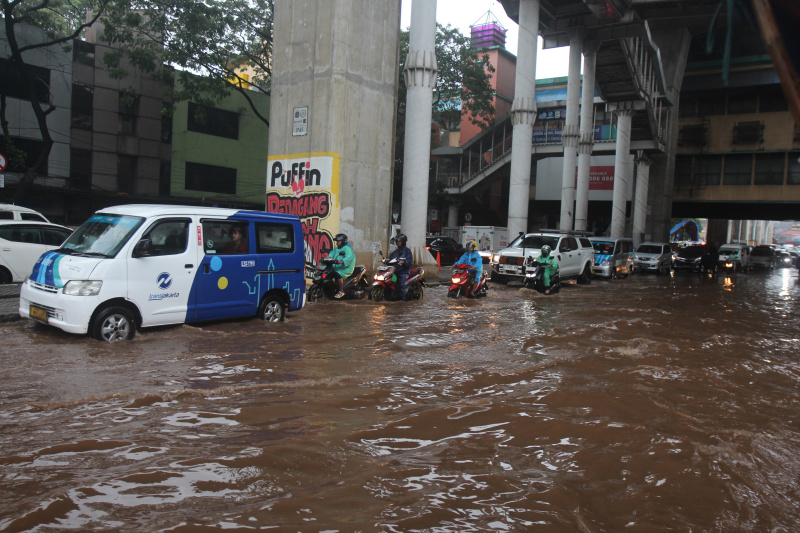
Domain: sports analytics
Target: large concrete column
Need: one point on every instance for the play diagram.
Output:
(452, 215)
(587, 135)
(523, 116)
(420, 75)
(640, 203)
(622, 160)
(570, 134)
(332, 119)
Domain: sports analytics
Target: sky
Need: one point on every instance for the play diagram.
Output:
(462, 14)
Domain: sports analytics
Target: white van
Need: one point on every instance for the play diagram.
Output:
(612, 257)
(734, 256)
(151, 265)
(17, 212)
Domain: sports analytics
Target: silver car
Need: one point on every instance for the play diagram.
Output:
(653, 256)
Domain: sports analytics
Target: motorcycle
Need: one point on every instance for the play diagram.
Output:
(323, 283)
(385, 286)
(534, 277)
(462, 283)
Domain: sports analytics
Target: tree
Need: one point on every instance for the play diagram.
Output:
(61, 21)
(217, 39)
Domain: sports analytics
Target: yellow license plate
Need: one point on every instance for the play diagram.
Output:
(38, 313)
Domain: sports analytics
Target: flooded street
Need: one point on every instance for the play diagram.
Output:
(645, 404)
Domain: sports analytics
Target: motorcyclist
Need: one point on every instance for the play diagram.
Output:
(344, 262)
(710, 258)
(475, 261)
(550, 266)
(404, 259)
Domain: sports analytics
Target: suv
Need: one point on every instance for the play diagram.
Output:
(17, 212)
(572, 251)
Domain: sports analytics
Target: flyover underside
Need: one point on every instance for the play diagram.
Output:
(765, 210)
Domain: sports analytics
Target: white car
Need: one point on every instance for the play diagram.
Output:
(23, 242)
(572, 251)
(654, 256)
(17, 212)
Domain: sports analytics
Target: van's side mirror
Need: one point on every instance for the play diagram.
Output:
(142, 248)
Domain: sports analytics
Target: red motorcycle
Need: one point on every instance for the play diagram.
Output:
(462, 282)
(385, 286)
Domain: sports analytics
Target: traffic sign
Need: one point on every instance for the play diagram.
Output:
(3, 162)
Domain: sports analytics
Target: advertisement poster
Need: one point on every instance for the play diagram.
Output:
(600, 178)
(307, 185)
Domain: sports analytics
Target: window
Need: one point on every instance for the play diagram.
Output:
(225, 237)
(6, 215)
(793, 174)
(168, 237)
(30, 149)
(32, 216)
(769, 169)
(210, 178)
(128, 111)
(13, 85)
(714, 105)
(568, 244)
(55, 236)
(738, 169)
(683, 172)
(742, 103)
(83, 52)
(773, 100)
(274, 238)
(26, 234)
(164, 178)
(707, 170)
(213, 121)
(126, 173)
(166, 125)
(82, 103)
(80, 168)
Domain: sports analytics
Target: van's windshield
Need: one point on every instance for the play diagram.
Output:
(101, 235)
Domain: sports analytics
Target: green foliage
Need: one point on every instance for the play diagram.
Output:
(206, 44)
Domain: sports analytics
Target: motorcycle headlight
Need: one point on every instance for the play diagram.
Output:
(83, 288)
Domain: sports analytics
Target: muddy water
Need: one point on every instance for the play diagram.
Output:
(649, 404)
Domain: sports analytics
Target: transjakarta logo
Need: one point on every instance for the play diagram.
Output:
(164, 281)
(164, 295)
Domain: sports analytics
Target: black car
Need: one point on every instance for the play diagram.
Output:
(689, 257)
(447, 249)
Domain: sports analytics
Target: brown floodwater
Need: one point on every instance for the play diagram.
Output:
(645, 404)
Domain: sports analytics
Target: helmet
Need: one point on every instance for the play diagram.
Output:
(401, 239)
(341, 239)
(471, 245)
(545, 250)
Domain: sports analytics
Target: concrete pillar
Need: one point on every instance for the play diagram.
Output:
(332, 122)
(621, 171)
(640, 203)
(420, 76)
(452, 216)
(587, 135)
(570, 134)
(523, 116)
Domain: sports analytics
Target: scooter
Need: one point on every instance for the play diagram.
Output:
(534, 277)
(385, 286)
(323, 283)
(462, 282)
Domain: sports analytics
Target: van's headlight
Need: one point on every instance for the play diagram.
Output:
(82, 288)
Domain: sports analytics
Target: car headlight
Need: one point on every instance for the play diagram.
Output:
(83, 288)
(496, 258)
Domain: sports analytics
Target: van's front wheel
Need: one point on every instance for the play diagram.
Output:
(113, 324)
(272, 309)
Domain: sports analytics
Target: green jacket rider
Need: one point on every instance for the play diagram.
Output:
(550, 266)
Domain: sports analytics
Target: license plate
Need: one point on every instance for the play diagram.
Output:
(38, 313)
(510, 270)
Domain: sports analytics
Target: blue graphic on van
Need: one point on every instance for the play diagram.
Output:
(164, 281)
(600, 259)
(45, 270)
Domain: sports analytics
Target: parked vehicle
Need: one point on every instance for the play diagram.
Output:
(612, 257)
(689, 258)
(17, 212)
(534, 277)
(461, 283)
(653, 256)
(734, 256)
(762, 257)
(22, 243)
(385, 286)
(572, 250)
(446, 248)
(149, 265)
(323, 283)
